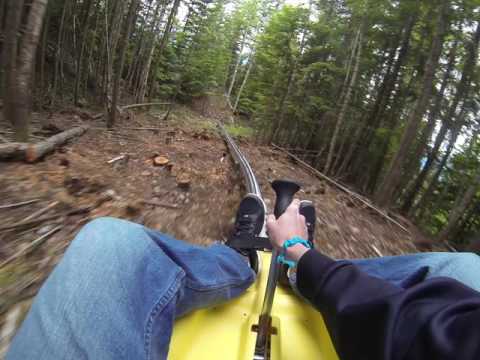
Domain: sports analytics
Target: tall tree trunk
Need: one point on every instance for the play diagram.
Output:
(19, 97)
(143, 51)
(121, 61)
(87, 9)
(235, 71)
(435, 110)
(90, 51)
(145, 70)
(462, 202)
(139, 47)
(385, 193)
(10, 50)
(346, 102)
(43, 50)
(58, 50)
(244, 82)
(112, 26)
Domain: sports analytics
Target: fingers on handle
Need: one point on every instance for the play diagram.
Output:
(294, 206)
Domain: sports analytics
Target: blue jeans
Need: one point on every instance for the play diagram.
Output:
(120, 286)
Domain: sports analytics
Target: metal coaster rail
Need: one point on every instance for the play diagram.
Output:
(262, 351)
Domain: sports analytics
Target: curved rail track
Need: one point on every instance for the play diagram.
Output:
(251, 183)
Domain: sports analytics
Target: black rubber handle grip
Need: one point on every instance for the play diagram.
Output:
(285, 190)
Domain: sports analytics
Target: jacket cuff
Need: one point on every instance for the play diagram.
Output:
(310, 268)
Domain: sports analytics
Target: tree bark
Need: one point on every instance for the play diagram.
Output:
(10, 50)
(385, 193)
(25, 66)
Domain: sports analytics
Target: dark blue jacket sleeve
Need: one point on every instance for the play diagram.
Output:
(370, 318)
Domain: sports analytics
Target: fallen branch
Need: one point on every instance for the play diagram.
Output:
(41, 211)
(34, 152)
(160, 204)
(32, 218)
(142, 105)
(340, 186)
(13, 150)
(37, 151)
(118, 158)
(9, 206)
(34, 244)
(30, 222)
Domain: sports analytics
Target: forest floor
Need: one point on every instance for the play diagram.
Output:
(194, 197)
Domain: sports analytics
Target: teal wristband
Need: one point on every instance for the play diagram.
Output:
(289, 243)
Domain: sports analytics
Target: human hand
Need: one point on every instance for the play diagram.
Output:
(290, 224)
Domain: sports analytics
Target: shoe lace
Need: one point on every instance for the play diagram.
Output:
(244, 224)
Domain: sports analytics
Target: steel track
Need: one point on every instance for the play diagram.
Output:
(262, 344)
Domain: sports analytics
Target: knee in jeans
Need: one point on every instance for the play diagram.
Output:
(105, 233)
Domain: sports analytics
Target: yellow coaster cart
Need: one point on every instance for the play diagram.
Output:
(254, 326)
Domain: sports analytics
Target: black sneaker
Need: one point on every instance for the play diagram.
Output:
(307, 209)
(248, 224)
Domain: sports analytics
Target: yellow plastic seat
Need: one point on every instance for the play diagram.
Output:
(225, 332)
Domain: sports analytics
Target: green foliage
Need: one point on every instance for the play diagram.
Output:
(239, 131)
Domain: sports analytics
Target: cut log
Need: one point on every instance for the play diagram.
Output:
(143, 105)
(183, 181)
(160, 160)
(13, 150)
(37, 151)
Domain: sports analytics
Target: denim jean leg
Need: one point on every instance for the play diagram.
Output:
(117, 291)
(463, 267)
